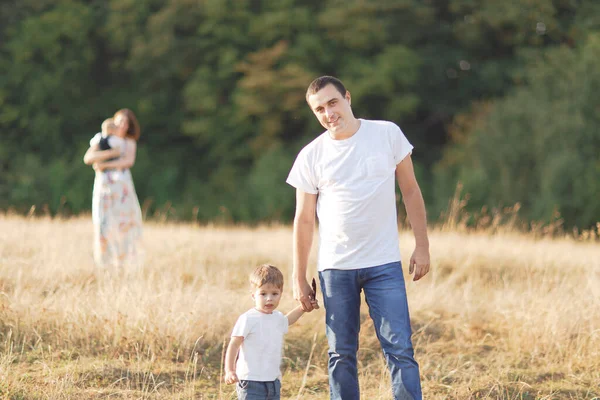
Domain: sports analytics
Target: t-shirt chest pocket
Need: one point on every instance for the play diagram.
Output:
(376, 166)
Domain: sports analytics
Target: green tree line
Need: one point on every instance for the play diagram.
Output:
(501, 96)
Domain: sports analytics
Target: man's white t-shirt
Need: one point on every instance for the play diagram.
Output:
(356, 204)
(261, 351)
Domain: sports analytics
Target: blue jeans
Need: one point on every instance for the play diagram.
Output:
(385, 294)
(255, 390)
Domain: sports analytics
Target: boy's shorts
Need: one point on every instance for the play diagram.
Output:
(256, 390)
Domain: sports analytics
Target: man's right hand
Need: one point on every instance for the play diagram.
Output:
(304, 294)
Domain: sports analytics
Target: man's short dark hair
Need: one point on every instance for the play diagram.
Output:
(323, 81)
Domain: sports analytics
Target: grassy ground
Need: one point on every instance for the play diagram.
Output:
(500, 316)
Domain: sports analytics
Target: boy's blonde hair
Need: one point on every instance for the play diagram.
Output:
(108, 125)
(264, 274)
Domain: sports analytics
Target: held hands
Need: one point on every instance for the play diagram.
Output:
(305, 295)
(230, 377)
(419, 263)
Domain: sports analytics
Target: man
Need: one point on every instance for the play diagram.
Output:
(346, 176)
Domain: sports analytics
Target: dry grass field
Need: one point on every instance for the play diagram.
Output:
(502, 315)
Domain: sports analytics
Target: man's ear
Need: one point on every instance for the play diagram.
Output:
(348, 97)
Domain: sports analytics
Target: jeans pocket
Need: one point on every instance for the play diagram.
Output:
(277, 388)
(376, 166)
(243, 384)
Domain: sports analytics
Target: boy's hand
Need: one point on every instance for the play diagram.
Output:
(230, 377)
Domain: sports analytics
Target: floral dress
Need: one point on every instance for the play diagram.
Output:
(116, 214)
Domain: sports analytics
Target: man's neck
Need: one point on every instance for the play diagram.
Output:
(347, 134)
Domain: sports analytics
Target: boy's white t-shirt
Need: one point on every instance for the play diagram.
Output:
(115, 142)
(261, 351)
(356, 204)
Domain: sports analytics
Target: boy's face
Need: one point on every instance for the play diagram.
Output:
(266, 298)
(108, 128)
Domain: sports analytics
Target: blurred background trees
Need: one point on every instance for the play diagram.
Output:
(501, 96)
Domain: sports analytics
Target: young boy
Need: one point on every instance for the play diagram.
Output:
(106, 139)
(258, 337)
(108, 128)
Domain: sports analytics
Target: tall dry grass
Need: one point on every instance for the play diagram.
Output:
(500, 316)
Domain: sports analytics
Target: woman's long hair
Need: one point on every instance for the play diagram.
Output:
(133, 126)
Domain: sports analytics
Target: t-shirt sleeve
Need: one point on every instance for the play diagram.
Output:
(241, 327)
(400, 144)
(284, 323)
(302, 174)
(96, 139)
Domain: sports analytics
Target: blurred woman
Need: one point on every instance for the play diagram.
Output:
(116, 210)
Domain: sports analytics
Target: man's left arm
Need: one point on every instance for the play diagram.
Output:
(415, 209)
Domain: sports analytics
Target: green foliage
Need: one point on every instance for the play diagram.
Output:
(218, 86)
(267, 201)
(539, 145)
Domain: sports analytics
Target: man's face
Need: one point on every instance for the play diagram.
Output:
(332, 109)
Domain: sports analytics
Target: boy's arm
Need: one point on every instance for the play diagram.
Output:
(230, 357)
(294, 315)
(297, 312)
